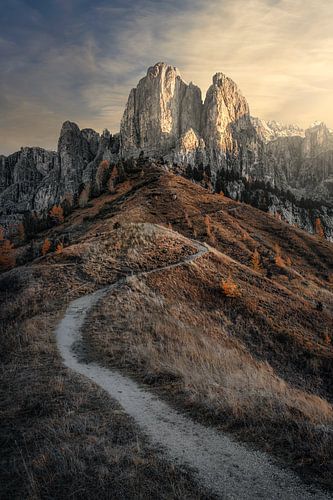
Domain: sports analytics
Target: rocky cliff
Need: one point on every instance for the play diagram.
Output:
(33, 180)
(282, 169)
(268, 131)
(159, 111)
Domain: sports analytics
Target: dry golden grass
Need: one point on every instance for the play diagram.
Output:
(60, 436)
(177, 347)
(259, 364)
(256, 261)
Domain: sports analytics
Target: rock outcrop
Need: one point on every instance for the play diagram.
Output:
(33, 180)
(271, 130)
(22, 173)
(159, 111)
(282, 169)
(230, 138)
(166, 117)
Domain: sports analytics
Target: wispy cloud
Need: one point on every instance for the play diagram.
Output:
(78, 60)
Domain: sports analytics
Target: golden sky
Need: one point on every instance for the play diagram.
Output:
(78, 60)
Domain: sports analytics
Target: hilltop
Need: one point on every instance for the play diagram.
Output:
(240, 338)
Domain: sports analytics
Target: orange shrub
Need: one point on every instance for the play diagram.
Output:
(60, 247)
(288, 261)
(46, 247)
(230, 288)
(57, 214)
(209, 230)
(208, 225)
(279, 261)
(319, 230)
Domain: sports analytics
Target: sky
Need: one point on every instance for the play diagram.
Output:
(78, 59)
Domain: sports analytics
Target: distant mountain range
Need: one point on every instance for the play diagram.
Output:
(285, 170)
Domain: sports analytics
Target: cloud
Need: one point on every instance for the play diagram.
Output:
(78, 60)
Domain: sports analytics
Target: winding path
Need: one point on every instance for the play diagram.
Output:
(221, 465)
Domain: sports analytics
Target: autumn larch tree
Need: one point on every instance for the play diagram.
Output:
(230, 288)
(60, 247)
(46, 247)
(56, 214)
(319, 230)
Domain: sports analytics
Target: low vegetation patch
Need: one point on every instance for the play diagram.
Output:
(169, 332)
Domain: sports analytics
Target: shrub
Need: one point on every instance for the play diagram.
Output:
(230, 288)
(209, 230)
(56, 214)
(46, 247)
(319, 230)
(60, 247)
(208, 226)
(288, 261)
(327, 338)
(256, 261)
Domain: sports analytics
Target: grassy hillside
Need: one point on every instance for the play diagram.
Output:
(242, 338)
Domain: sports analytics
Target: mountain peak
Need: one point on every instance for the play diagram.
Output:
(162, 68)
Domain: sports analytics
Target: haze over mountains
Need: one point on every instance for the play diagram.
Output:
(284, 170)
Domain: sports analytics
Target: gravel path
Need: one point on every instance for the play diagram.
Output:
(223, 466)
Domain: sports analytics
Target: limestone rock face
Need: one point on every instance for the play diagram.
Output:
(318, 139)
(230, 138)
(165, 117)
(108, 149)
(159, 111)
(93, 139)
(74, 154)
(303, 165)
(21, 174)
(279, 168)
(282, 162)
(33, 179)
(271, 130)
(190, 149)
